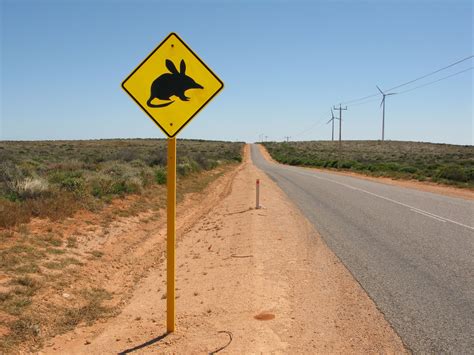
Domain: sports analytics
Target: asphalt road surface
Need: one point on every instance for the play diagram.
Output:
(412, 251)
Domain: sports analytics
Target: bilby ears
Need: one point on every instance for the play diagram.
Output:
(182, 67)
(171, 67)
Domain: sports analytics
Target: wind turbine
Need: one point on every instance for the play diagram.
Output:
(382, 103)
(332, 120)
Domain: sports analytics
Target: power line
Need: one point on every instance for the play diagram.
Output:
(435, 81)
(411, 81)
(416, 87)
(429, 74)
(360, 99)
(319, 123)
(364, 102)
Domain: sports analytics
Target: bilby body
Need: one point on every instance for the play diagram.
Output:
(171, 84)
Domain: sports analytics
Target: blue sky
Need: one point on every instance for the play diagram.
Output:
(284, 63)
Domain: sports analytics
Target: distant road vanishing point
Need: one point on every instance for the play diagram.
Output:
(412, 251)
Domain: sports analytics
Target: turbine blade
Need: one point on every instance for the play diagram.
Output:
(383, 100)
(329, 121)
(380, 90)
(392, 93)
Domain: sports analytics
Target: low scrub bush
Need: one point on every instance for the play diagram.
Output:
(345, 164)
(160, 176)
(453, 172)
(409, 169)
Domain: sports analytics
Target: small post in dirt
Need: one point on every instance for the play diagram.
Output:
(257, 204)
(171, 236)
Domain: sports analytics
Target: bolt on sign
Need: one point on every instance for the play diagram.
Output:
(172, 85)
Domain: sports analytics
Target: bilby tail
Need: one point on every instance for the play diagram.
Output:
(149, 104)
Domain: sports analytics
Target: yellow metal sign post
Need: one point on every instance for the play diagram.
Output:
(171, 239)
(172, 85)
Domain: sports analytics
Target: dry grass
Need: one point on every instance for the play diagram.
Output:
(35, 264)
(92, 310)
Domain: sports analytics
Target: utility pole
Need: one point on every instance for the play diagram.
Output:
(287, 138)
(340, 119)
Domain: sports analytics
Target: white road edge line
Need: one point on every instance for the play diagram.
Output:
(382, 197)
(427, 215)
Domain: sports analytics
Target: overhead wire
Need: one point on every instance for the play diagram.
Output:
(364, 102)
(435, 81)
(317, 124)
(410, 81)
(432, 73)
(417, 87)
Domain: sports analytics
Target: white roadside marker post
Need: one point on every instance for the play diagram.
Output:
(258, 195)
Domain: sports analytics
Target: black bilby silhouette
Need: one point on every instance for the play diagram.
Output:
(173, 83)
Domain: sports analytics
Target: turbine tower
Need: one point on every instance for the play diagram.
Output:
(332, 120)
(382, 103)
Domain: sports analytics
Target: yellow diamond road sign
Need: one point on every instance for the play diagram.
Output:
(172, 85)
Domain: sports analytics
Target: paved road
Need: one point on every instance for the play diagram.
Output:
(412, 251)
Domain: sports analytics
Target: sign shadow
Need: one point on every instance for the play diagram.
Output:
(144, 345)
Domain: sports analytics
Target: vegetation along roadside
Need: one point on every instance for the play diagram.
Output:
(440, 163)
(62, 204)
(55, 178)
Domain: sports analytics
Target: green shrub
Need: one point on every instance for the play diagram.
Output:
(345, 164)
(10, 174)
(160, 175)
(453, 172)
(67, 180)
(205, 163)
(101, 185)
(389, 167)
(295, 161)
(470, 174)
(186, 168)
(128, 186)
(409, 169)
(147, 176)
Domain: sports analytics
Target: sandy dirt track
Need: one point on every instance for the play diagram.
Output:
(262, 279)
